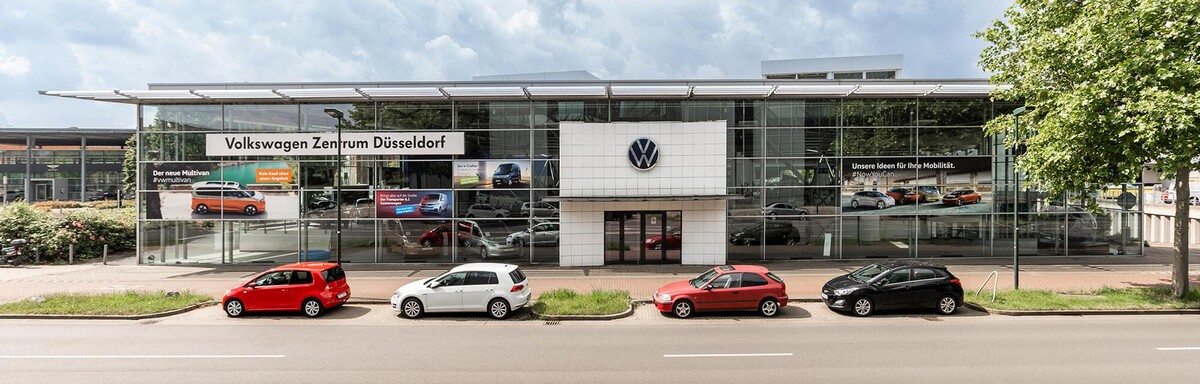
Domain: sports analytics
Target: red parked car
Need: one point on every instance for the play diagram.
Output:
(961, 197)
(440, 236)
(311, 288)
(674, 240)
(724, 288)
(903, 195)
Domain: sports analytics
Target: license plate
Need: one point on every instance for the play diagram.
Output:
(342, 295)
(824, 296)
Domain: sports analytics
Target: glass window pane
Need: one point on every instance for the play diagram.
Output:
(403, 116)
(545, 144)
(879, 141)
(954, 235)
(801, 202)
(492, 115)
(744, 173)
(807, 239)
(416, 241)
(801, 142)
(497, 144)
(952, 142)
(744, 238)
(174, 118)
(648, 110)
(357, 116)
(490, 241)
(954, 112)
(879, 112)
(548, 114)
(262, 117)
(877, 236)
(802, 172)
(744, 143)
(802, 113)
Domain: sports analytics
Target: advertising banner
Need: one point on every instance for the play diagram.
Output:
(326, 144)
(397, 204)
(244, 191)
(492, 174)
(929, 185)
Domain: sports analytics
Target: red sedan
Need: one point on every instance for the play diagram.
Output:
(962, 196)
(310, 287)
(673, 240)
(724, 288)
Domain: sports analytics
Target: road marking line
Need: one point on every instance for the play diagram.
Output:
(1179, 349)
(142, 356)
(732, 355)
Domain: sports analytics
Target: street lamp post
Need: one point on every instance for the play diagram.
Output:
(337, 194)
(1016, 197)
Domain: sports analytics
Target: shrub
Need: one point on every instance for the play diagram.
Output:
(109, 204)
(57, 204)
(87, 230)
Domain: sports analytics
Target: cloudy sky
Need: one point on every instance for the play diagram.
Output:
(124, 44)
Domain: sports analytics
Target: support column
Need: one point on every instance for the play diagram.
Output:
(29, 143)
(82, 168)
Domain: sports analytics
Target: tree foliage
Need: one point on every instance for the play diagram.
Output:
(1116, 85)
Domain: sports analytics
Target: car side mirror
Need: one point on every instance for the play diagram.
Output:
(434, 284)
(708, 287)
(251, 285)
(881, 282)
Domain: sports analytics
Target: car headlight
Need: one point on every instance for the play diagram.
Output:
(395, 295)
(843, 291)
(665, 298)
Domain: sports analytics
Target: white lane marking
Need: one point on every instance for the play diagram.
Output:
(143, 356)
(731, 355)
(1179, 349)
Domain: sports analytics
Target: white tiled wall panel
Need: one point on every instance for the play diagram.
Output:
(595, 159)
(595, 163)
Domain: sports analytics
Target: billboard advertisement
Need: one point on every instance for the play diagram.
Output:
(929, 185)
(492, 174)
(398, 204)
(254, 191)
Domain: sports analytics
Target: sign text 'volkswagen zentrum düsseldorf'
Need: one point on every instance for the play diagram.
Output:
(326, 144)
(643, 154)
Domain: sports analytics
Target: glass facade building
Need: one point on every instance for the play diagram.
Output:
(69, 164)
(847, 169)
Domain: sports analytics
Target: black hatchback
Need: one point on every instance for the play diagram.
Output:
(894, 285)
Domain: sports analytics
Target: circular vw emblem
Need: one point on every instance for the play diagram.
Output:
(643, 154)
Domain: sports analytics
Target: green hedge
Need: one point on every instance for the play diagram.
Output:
(51, 235)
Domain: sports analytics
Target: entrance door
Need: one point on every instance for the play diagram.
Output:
(42, 190)
(642, 237)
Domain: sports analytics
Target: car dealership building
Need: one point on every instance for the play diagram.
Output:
(590, 172)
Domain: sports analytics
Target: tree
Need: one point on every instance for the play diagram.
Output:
(1115, 84)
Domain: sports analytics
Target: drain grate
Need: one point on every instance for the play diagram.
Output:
(931, 318)
(551, 322)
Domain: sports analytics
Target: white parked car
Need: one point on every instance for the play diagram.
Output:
(541, 234)
(486, 210)
(496, 289)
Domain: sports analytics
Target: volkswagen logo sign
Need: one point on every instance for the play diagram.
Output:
(643, 154)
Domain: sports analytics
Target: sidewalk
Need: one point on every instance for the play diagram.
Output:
(804, 278)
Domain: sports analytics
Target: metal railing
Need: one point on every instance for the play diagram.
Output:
(989, 278)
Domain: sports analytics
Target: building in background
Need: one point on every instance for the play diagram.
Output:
(61, 164)
(879, 67)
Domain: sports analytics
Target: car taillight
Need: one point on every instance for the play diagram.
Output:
(956, 282)
(328, 287)
(517, 288)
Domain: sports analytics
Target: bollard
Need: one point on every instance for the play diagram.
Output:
(37, 256)
(105, 257)
(71, 254)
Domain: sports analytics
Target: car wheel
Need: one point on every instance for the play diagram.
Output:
(426, 243)
(768, 307)
(947, 305)
(234, 308)
(312, 308)
(853, 203)
(658, 246)
(682, 309)
(411, 308)
(790, 241)
(880, 205)
(863, 307)
(519, 243)
(771, 215)
(483, 252)
(802, 216)
(498, 309)
(202, 209)
(960, 201)
(250, 210)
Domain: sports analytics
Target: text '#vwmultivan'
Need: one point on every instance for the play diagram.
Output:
(318, 142)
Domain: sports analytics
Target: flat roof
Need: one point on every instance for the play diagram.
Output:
(66, 136)
(319, 92)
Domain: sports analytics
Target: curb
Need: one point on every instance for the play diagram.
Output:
(109, 317)
(1083, 312)
(368, 301)
(628, 312)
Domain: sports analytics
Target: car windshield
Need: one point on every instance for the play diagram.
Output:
(504, 168)
(866, 273)
(699, 281)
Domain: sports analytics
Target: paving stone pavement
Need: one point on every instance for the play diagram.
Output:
(804, 278)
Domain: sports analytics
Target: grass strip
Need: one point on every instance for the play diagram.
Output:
(564, 301)
(1101, 299)
(119, 303)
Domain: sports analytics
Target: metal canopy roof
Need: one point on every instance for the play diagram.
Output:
(349, 93)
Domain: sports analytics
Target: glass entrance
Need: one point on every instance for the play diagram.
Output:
(643, 237)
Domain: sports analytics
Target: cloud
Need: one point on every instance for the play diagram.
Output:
(124, 44)
(13, 65)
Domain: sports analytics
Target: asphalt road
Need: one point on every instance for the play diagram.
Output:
(905, 348)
